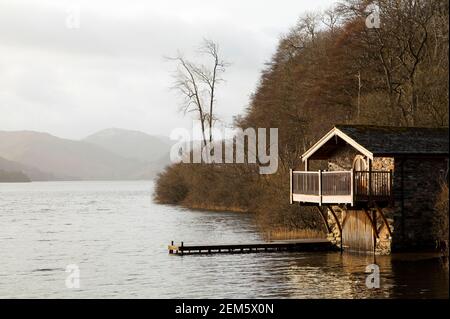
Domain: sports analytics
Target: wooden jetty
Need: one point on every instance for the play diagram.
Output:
(297, 245)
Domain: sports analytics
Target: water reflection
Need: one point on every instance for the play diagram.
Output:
(119, 238)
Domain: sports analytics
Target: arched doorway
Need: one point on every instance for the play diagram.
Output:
(361, 175)
(359, 163)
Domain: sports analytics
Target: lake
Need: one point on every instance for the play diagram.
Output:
(117, 237)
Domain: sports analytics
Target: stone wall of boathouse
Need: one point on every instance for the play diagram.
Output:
(417, 182)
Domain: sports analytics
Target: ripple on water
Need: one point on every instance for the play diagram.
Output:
(119, 238)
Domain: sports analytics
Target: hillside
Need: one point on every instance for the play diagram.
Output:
(31, 172)
(152, 151)
(131, 144)
(327, 69)
(13, 177)
(72, 160)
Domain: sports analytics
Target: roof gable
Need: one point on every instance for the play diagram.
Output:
(384, 140)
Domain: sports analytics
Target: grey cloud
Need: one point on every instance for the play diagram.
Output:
(111, 71)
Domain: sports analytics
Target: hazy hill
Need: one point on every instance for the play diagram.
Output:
(69, 159)
(131, 144)
(108, 154)
(13, 177)
(32, 173)
(152, 151)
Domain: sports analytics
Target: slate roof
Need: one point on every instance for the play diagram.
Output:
(385, 140)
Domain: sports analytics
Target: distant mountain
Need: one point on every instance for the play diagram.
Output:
(131, 144)
(151, 150)
(13, 177)
(31, 172)
(73, 160)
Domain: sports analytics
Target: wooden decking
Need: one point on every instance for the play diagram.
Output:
(294, 245)
(344, 187)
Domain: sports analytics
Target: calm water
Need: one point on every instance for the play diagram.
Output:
(118, 238)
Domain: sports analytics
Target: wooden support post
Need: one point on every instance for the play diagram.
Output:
(352, 186)
(373, 223)
(337, 223)
(375, 236)
(290, 186)
(320, 188)
(391, 190)
(336, 219)
(384, 220)
(370, 181)
(344, 219)
(325, 220)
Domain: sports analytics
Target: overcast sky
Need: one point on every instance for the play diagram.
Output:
(111, 71)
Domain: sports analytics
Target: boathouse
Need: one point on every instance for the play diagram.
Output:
(375, 187)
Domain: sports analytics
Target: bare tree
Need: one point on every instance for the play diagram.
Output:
(197, 84)
(211, 77)
(309, 24)
(331, 19)
(403, 46)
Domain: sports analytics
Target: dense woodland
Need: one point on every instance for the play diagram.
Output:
(328, 69)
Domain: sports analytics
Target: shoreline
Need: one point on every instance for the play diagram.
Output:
(214, 208)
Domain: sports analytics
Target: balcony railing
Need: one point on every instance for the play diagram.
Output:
(341, 187)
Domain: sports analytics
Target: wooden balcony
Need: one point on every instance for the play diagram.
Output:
(341, 187)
